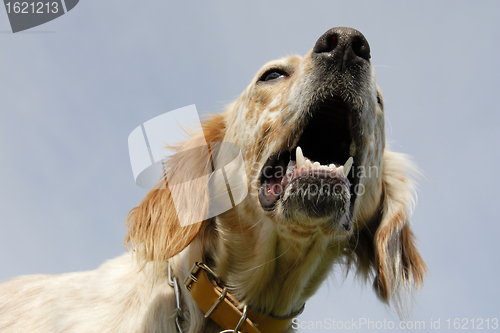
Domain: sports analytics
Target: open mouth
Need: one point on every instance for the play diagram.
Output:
(323, 159)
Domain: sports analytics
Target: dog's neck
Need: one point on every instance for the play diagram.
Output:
(271, 271)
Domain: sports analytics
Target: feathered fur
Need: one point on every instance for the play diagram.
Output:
(271, 259)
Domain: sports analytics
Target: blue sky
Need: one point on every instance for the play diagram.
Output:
(74, 88)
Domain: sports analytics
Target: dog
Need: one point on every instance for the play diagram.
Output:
(322, 190)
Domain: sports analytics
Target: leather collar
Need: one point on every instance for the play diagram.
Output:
(220, 306)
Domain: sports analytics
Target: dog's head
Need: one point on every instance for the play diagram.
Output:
(310, 128)
(311, 133)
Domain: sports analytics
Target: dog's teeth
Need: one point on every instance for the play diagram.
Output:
(299, 157)
(307, 164)
(332, 166)
(340, 169)
(347, 166)
(352, 148)
(316, 165)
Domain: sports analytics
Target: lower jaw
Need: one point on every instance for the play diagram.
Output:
(306, 229)
(315, 191)
(329, 215)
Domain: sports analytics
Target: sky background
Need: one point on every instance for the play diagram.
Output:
(73, 89)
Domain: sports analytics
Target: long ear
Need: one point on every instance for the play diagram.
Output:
(398, 264)
(154, 229)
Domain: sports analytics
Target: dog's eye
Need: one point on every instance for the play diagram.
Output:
(273, 74)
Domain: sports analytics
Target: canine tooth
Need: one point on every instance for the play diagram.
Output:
(352, 148)
(299, 157)
(347, 166)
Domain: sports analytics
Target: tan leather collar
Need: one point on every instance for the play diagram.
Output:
(220, 306)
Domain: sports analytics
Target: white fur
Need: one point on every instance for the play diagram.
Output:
(271, 261)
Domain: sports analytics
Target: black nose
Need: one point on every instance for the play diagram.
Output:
(345, 45)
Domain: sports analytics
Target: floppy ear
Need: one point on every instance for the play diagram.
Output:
(154, 228)
(386, 245)
(398, 264)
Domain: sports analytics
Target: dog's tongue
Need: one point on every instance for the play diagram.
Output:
(276, 183)
(274, 186)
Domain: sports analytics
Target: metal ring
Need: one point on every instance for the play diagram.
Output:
(177, 292)
(169, 274)
(242, 320)
(216, 303)
(173, 282)
(209, 271)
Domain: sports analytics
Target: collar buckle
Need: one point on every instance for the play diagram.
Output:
(193, 274)
(242, 320)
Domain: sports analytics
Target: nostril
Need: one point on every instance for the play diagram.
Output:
(326, 43)
(356, 46)
(334, 42)
(359, 47)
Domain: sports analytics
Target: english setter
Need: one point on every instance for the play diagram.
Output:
(323, 189)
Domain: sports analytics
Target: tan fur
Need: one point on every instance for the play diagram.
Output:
(159, 224)
(272, 261)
